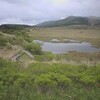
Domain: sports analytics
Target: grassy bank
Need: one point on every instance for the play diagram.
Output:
(42, 81)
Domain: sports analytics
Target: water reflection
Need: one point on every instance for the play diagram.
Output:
(59, 48)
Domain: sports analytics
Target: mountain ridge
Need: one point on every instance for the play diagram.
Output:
(72, 20)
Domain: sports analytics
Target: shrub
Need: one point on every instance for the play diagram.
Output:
(88, 80)
(13, 29)
(3, 41)
(43, 82)
(48, 80)
(47, 56)
(22, 81)
(34, 48)
(62, 80)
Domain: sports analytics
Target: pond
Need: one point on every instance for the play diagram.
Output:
(64, 47)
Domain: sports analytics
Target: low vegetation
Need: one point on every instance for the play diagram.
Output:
(45, 57)
(16, 34)
(46, 76)
(33, 48)
(42, 81)
(83, 35)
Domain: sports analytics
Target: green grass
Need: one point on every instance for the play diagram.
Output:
(42, 81)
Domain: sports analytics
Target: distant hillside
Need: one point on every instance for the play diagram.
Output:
(17, 26)
(72, 20)
(13, 28)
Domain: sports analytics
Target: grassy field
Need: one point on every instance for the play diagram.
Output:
(14, 42)
(86, 35)
(47, 76)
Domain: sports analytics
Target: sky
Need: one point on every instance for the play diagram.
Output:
(32, 12)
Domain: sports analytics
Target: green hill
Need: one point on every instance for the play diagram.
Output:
(72, 20)
(13, 28)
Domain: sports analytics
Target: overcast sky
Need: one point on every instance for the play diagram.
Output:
(36, 11)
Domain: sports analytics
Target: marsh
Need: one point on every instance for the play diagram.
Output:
(58, 47)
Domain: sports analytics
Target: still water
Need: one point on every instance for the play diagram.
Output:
(59, 48)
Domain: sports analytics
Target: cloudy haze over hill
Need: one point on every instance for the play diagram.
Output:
(36, 11)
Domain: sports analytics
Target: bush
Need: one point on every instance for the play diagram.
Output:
(47, 56)
(13, 29)
(3, 41)
(18, 83)
(44, 82)
(88, 80)
(62, 80)
(34, 48)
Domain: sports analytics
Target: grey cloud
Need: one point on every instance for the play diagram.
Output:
(35, 11)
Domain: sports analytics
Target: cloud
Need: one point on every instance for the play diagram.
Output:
(35, 11)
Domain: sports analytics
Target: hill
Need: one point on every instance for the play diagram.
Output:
(72, 20)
